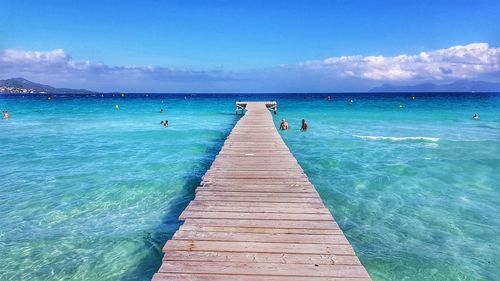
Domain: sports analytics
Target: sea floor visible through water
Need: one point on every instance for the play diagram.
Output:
(91, 192)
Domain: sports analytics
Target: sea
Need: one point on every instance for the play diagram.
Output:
(91, 186)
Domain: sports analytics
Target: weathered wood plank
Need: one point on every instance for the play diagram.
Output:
(208, 208)
(238, 277)
(219, 256)
(261, 189)
(262, 185)
(257, 205)
(259, 247)
(265, 223)
(257, 199)
(256, 194)
(243, 229)
(203, 214)
(319, 270)
(261, 237)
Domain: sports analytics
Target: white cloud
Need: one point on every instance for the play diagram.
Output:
(457, 62)
(345, 73)
(18, 56)
(60, 69)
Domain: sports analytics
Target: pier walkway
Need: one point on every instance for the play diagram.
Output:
(256, 216)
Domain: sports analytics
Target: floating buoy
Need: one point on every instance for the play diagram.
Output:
(352, 101)
(49, 98)
(116, 106)
(412, 98)
(400, 106)
(123, 95)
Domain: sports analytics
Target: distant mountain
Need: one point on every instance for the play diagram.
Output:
(457, 86)
(23, 86)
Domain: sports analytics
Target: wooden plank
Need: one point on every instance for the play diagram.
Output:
(262, 189)
(319, 270)
(218, 256)
(257, 205)
(262, 185)
(238, 277)
(203, 214)
(257, 180)
(247, 168)
(208, 208)
(261, 237)
(243, 229)
(249, 174)
(265, 223)
(293, 173)
(242, 178)
(256, 194)
(257, 199)
(259, 247)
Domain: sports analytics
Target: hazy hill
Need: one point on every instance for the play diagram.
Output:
(23, 86)
(457, 86)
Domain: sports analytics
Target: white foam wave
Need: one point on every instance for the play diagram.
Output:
(397, 138)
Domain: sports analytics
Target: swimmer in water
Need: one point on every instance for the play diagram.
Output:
(161, 110)
(304, 125)
(283, 125)
(5, 114)
(165, 124)
(476, 117)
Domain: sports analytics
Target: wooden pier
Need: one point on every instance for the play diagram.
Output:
(256, 216)
(241, 106)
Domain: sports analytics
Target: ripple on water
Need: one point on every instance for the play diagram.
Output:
(416, 197)
(92, 193)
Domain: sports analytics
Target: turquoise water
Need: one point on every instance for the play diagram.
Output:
(89, 192)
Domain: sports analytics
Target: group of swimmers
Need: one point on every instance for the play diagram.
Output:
(284, 125)
(163, 123)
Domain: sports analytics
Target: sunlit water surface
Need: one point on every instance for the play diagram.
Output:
(91, 192)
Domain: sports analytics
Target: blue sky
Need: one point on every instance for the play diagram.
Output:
(233, 45)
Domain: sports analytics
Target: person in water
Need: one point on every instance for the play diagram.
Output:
(304, 125)
(5, 114)
(165, 124)
(283, 125)
(476, 117)
(161, 110)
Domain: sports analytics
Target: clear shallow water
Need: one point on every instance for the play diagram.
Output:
(91, 193)
(416, 189)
